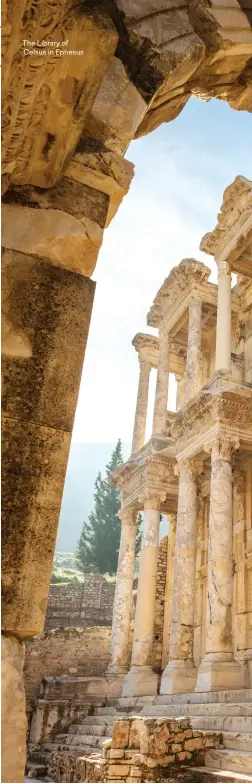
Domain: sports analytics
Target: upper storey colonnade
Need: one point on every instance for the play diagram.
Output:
(197, 470)
(199, 322)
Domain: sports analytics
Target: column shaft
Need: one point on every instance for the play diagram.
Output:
(218, 668)
(180, 674)
(141, 679)
(48, 309)
(193, 362)
(123, 593)
(162, 384)
(224, 322)
(141, 406)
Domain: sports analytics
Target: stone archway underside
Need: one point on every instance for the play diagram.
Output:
(142, 61)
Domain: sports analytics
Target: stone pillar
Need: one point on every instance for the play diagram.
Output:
(219, 670)
(224, 322)
(119, 654)
(180, 674)
(242, 644)
(168, 589)
(193, 361)
(48, 309)
(141, 680)
(141, 406)
(162, 384)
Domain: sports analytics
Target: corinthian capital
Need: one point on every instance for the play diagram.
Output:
(194, 466)
(127, 515)
(151, 499)
(223, 267)
(223, 446)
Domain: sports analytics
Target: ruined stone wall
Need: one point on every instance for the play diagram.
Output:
(88, 604)
(75, 651)
(147, 749)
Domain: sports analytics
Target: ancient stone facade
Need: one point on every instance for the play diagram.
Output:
(196, 469)
(80, 604)
(116, 70)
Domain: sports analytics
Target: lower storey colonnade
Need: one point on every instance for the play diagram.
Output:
(222, 663)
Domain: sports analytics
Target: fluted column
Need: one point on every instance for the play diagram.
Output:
(162, 384)
(141, 680)
(193, 361)
(218, 669)
(119, 650)
(224, 321)
(142, 405)
(180, 674)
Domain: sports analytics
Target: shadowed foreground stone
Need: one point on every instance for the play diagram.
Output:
(48, 310)
(13, 711)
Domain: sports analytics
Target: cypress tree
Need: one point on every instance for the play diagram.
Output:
(98, 545)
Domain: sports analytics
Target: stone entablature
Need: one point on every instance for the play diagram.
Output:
(231, 240)
(154, 474)
(196, 469)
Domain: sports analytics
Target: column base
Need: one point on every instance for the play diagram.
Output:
(220, 675)
(140, 681)
(178, 677)
(115, 677)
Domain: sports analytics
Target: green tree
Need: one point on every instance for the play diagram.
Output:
(98, 545)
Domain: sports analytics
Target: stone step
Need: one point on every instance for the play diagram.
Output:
(177, 710)
(210, 723)
(36, 768)
(92, 728)
(234, 696)
(107, 711)
(37, 780)
(93, 741)
(229, 760)
(207, 775)
(100, 720)
(233, 740)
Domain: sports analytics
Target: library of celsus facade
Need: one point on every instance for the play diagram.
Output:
(197, 470)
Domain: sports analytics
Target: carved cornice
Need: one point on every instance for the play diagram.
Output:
(147, 347)
(188, 271)
(212, 408)
(152, 477)
(231, 238)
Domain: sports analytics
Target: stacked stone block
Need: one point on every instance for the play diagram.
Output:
(87, 604)
(140, 749)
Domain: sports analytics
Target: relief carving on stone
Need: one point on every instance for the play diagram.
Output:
(234, 221)
(46, 98)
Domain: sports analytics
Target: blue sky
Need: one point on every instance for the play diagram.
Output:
(181, 171)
